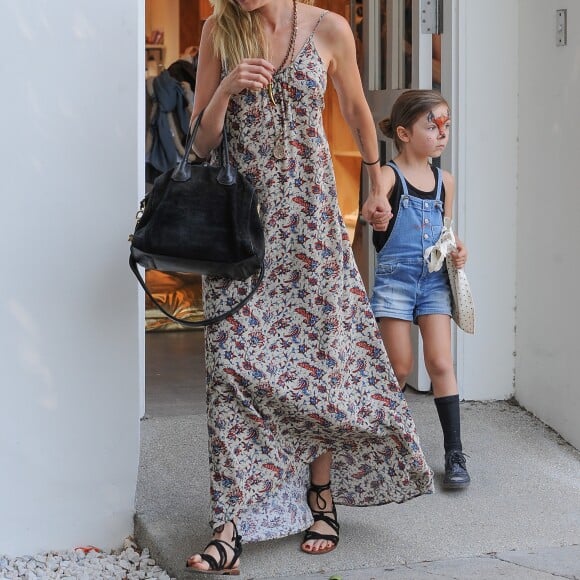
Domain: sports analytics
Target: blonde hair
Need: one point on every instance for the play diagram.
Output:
(238, 34)
(407, 109)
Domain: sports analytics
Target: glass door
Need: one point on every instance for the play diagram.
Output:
(400, 50)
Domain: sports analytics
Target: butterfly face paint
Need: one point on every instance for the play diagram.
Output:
(440, 121)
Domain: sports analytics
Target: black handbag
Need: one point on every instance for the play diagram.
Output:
(203, 219)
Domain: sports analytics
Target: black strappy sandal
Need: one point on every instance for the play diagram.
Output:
(216, 567)
(320, 515)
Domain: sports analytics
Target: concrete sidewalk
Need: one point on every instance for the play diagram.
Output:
(520, 518)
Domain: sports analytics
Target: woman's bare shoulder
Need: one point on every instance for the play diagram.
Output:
(332, 24)
(209, 24)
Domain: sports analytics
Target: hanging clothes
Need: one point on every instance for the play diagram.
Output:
(169, 99)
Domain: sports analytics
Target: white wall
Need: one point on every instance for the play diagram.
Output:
(485, 118)
(548, 276)
(69, 339)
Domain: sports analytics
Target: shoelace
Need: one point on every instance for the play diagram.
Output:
(457, 457)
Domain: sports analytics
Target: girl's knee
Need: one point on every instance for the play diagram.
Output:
(439, 366)
(402, 371)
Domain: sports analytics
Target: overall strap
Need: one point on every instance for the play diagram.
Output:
(406, 189)
(439, 184)
(401, 177)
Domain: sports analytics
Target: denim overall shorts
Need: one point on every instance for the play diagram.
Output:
(404, 288)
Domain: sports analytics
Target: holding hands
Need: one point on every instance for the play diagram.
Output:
(376, 210)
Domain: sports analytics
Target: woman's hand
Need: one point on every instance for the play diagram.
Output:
(251, 73)
(376, 211)
(460, 256)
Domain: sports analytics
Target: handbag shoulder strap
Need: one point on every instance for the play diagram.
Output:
(196, 323)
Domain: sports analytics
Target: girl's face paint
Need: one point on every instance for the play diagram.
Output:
(441, 121)
(430, 133)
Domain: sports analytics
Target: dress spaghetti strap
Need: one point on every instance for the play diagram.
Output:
(317, 23)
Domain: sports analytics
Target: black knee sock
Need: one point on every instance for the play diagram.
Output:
(448, 410)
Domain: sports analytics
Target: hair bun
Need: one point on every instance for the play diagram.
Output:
(387, 128)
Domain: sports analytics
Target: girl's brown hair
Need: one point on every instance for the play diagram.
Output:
(407, 109)
(237, 34)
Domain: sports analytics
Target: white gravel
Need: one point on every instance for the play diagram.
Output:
(130, 563)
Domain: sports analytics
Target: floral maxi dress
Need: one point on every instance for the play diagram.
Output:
(301, 369)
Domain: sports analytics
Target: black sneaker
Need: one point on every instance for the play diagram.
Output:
(456, 476)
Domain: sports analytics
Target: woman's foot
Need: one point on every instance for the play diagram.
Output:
(322, 536)
(221, 555)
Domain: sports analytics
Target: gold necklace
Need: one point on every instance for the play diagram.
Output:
(290, 50)
(279, 150)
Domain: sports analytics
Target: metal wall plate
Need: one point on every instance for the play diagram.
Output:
(432, 16)
(561, 27)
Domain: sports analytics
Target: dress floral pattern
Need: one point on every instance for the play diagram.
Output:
(301, 369)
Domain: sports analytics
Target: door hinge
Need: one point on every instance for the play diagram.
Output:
(432, 16)
(561, 27)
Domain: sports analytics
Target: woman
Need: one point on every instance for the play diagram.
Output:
(299, 385)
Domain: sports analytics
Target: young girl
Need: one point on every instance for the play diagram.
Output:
(405, 291)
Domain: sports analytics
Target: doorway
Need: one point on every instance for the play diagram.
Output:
(403, 46)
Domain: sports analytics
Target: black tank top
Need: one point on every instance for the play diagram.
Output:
(380, 238)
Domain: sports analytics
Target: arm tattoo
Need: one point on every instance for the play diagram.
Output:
(360, 142)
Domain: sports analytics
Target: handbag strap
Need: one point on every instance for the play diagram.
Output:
(227, 174)
(205, 321)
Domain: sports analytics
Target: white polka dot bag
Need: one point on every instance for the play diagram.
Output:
(463, 309)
